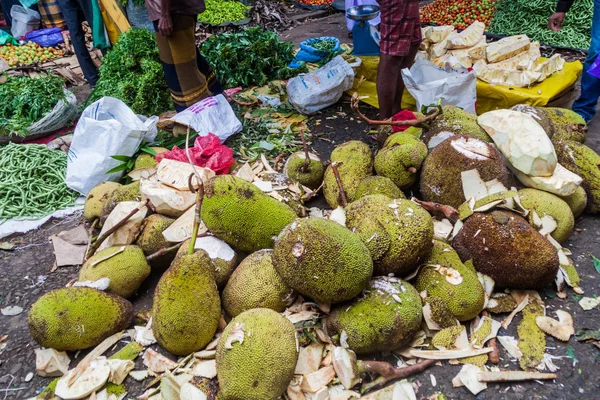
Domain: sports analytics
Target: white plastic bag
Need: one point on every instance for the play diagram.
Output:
(106, 128)
(24, 20)
(210, 115)
(317, 90)
(454, 86)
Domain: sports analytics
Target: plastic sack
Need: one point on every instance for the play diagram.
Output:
(138, 16)
(106, 128)
(594, 69)
(46, 37)
(428, 83)
(6, 38)
(311, 92)
(24, 20)
(63, 113)
(207, 152)
(210, 115)
(308, 53)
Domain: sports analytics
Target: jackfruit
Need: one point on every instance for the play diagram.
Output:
(151, 238)
(280, 184)
(400, 158)
(468, 37)
(577, 201)
(495, 75)
(438, 33)
(312, 176)
(540, 116)
(439, 312)
(256, 284)
(322, 260)
(378, 185)
(223, 257)
(453, 121)
(447, 337)
(397, 232)
(549, 66)
(544, 203)
(532, 340)
(505, 247)
(239, 213)
(441, 173)
(126, 267)
(507, 47)
(501, 303)
(147, 160)
(567, 124)
(583, 161)
(77, 318)
(129, 192)
(186, 307)
(524, 61)
(96, 198)
(384, 318)
(466, 298)
(477, 52)
(562, 182)
(256, 356)
(355, 163)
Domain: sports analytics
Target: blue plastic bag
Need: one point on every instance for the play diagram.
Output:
(594, 69)
(46, 37)
(309, 54)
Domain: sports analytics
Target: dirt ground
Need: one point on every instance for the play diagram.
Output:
(25, 275)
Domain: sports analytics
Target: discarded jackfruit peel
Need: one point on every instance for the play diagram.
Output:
(562, 329)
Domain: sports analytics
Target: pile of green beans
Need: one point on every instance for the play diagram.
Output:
(220, 11)
(32, 182)
(530, 17)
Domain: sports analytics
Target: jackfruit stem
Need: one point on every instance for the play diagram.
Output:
(494, 356)
(388, 372)
(449, 212)
(336, 173)
(197, 217)
(412, 170)
(304, 167)
(354, 104)
(161, 252)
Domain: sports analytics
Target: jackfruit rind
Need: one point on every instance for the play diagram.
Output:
(151, 238)
(440, 312)
(77, 318)
(239, 213)
(465, 300)
(378, 185)
(384, 318)
(504, 246)
(96, 198)
(144, 160)
(126, 269)
(440, 180)
(583, 161)
(401, 154)
(223, 268)
(322, 260)
(186, 306)
(545, 203)
(532, 340)
(312, 176)
(397, 232)
(567, 124)
(256, 284)
(457, 121)
(577, 201)
(414, 131)
(129, 192)
(356, 162)
(262, 365)
(446, 338)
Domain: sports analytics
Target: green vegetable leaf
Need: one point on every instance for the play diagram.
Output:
(121, 158)
(596, 264)
(118, 168)
(571, 355)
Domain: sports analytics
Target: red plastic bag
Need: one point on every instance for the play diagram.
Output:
(207, 152)
(404, 115)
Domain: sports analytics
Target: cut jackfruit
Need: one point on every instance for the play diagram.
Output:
(468, 37)
(549, 66)
(506, 77)
(438, 33)
(507, 47)
(477, 52)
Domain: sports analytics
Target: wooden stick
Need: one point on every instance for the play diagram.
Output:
(494, 355)
(449, 212)
(412, 122)
(388, 372)
(162, 252)
(197, 217)
(306, 153)
(277, 161)
(336, 173)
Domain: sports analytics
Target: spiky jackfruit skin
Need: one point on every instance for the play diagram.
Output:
(440, 312)
(256, 284)
(312, 176)
(262, 366)
(378, 185)
(151, 238)
(577, 201)
(356, 163)
(464, 300)
(567, 124)
(400, 153)
(77, 318)
(186, 307)
(126, 269)
(239, 213)
(446, 338)
(532, 340)
(457, 121)
(414, 132)
(397, 232)
(210, 387)
(222, 268)
(384, 318)
(440, 180)
(545, 203)
(583, 161)
(96, 198)
(322, 260)
(129, 192)
(505, 247)
(144, 160)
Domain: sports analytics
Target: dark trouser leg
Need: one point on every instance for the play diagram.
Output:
(390, 85)
(73, 15)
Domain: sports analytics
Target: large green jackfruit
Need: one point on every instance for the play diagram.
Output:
(378, 185)
(97, 198)
(400, 159)
(567, 124)
(585, 162)
(151, 238)
(355, 163)
(544, 203)
(397, 232)
(242, 215)
(464, 299)
(505, 247)
(455, 121)
(577, 201)
(256, 284)
(77, 318)
(256, 356)
(310, 177)
(224, 258)
(385, 318)
(126, 269)
(186, 307)
(540, 116)
(322, 260)
(129, 192)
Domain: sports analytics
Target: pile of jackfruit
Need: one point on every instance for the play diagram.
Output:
(276, 299)
(512, 61)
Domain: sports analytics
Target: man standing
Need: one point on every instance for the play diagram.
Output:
(188, 75)
(586, 104)
(400, 32)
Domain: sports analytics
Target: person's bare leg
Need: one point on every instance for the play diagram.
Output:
(407, 62)
(388, 78)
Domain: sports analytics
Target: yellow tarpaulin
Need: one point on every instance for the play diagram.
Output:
(489, 97)
(114, 19)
